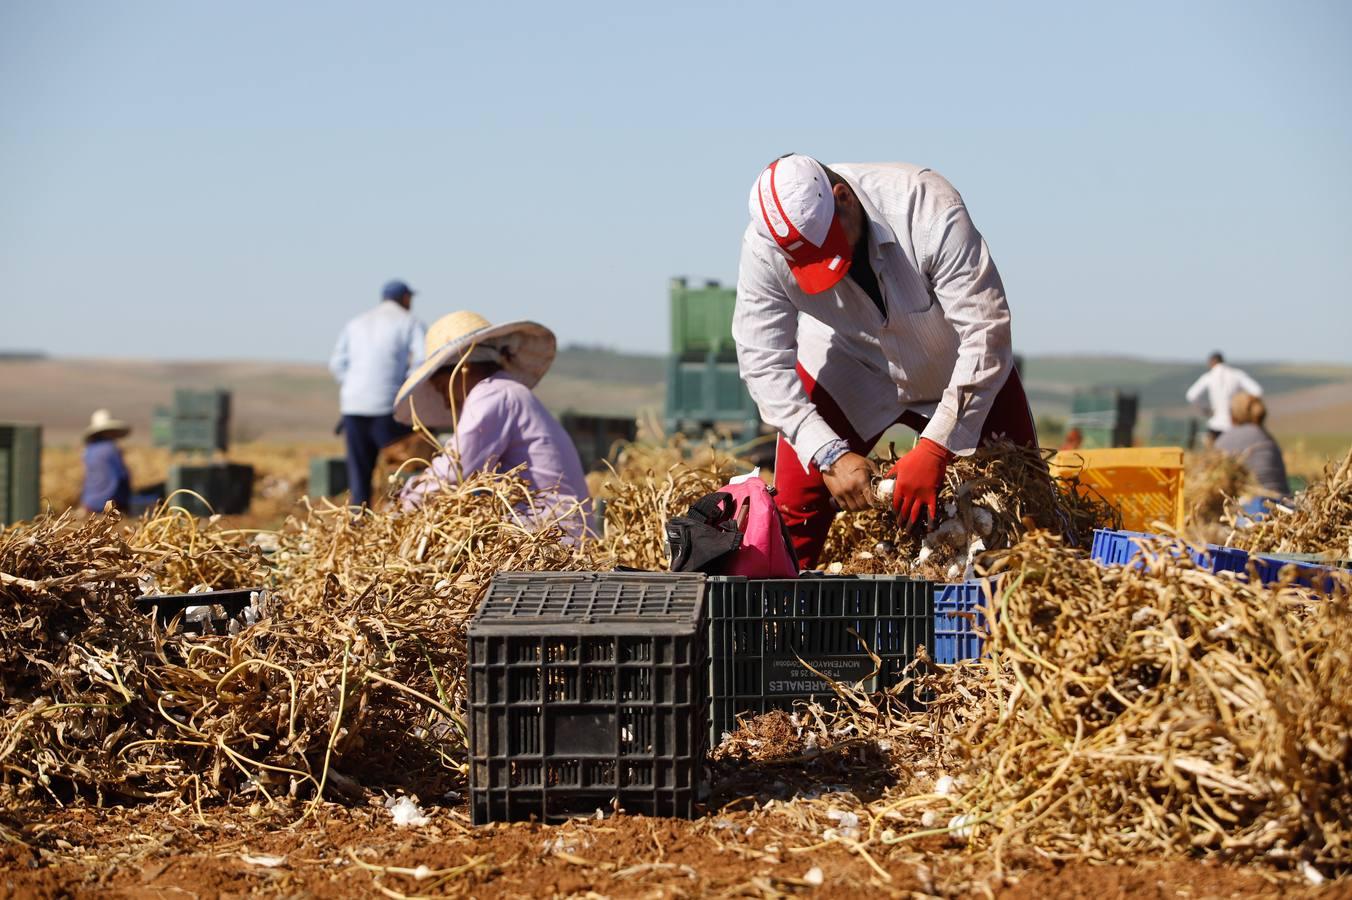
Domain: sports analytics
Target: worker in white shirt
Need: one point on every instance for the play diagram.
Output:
(866, 297)
(1219, 383)
(374, 353)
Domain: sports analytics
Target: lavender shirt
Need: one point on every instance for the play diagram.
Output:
(503, 425)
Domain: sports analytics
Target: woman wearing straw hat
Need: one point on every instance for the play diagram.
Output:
(106, 477)
(477, 378)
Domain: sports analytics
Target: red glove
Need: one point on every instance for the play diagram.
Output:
(918, 475)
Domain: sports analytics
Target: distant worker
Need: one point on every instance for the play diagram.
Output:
(1220, 383)
(1248, 440)
(106, 479)
(477, 379)
(374, 354)
(866, 297)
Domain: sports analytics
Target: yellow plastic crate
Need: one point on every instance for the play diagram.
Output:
(1146, 482)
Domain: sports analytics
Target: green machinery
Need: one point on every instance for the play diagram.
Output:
(704, 389)
(1105, 417)
(20, 472)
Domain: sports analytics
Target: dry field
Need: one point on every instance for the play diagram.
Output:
(281, 475)
(1158, 731)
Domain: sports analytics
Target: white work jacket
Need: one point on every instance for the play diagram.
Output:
(942, 350)
(1220, 383)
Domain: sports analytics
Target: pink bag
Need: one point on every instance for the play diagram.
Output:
(765, 551)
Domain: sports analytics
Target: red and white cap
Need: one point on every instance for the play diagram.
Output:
(793, 208)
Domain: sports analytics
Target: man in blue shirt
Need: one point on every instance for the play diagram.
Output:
(106, 477)
(374, 354)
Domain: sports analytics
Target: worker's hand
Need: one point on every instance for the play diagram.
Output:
(918, 475)
(848, 481)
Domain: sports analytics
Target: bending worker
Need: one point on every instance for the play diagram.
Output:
(373, 355)
(477, 379)
(866, 297)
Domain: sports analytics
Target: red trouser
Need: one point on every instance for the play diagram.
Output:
(805, 503)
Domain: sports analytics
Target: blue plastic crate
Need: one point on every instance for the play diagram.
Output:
(1117, 548)
(957, 619)
(1224, 559)
(1311, 575)
(1120, 548)
(1114, 548)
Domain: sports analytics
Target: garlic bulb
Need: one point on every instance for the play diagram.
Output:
(885, 489)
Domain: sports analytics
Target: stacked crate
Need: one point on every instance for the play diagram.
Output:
(199, 423)
(1105, 417)
(20, 472)
(1171, 431)
(704, 388)
(587, 691)
(603, 690)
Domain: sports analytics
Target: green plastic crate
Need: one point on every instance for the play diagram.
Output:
(328, 476)
(1173, 431)
(701, 318)
(20, 472)
(204, 435)
(195, 404)
(198, 421)
(1105, 417)
(1084, 403)
(706, 393)
(161, 427)
(1093, 437)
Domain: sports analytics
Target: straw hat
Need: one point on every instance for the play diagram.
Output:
(102, 422)
(527, 350)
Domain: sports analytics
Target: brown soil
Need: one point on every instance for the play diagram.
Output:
(339, 852)
(1192, 879)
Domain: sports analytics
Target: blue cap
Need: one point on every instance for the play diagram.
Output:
(395, 290)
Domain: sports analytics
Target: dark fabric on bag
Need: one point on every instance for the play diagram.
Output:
(695, 546)
(716, 509)
(704, 534)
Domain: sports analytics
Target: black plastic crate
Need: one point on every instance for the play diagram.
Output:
(226, 487)
(586, 690)
(328, 476)
(763, 631)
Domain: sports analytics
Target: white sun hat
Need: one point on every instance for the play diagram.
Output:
(524, 349)
(102, 422)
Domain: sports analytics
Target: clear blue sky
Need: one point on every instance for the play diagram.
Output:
(235, 180)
